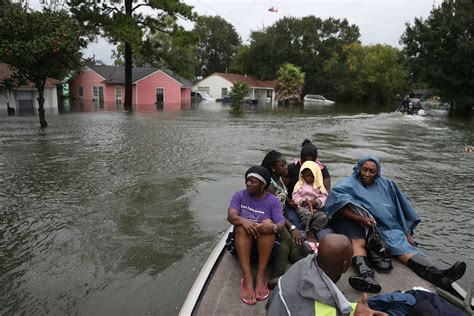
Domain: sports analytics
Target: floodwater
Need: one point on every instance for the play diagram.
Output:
(108, 213)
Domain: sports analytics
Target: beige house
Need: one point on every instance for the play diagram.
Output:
(219, 85)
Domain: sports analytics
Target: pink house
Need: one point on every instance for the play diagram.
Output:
(103, 87)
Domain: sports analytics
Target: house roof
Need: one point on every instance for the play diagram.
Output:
(6, 71)
(116, 74)
(250, 80)
(423, 91)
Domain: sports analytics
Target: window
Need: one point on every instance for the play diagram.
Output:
(118, 97)
(81, 96)
(204, 89)
(224, 92)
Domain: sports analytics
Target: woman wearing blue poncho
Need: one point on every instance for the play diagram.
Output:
(366, 198)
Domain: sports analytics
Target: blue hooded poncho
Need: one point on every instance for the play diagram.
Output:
(389, 207)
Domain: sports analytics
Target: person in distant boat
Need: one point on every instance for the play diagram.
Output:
(366, 198)
(291, 238)
(309, 152)
(308, 287)
(257, 218)
(310, 196)
(404, 106)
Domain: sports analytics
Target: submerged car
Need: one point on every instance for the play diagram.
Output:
(315, 99)
(200, 96)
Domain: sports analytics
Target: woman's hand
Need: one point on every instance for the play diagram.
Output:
(264, 228)
(366, 221)
(306, 203)
(297, 237)
(251, 228)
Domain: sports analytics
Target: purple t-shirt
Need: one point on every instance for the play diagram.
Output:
(257, 209)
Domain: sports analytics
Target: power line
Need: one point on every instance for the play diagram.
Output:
(220, 13)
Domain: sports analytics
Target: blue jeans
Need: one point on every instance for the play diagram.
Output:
(291, 215)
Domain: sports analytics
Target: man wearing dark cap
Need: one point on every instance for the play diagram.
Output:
(308, 288)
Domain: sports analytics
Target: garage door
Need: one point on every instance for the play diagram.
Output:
(25, 102)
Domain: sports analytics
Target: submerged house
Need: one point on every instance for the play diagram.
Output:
(98, 87)
(24, 99)
(219, 85)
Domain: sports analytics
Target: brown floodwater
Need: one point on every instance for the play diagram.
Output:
(114, 213)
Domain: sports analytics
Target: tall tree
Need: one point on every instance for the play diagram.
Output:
(373, 73)
(217, 44)
(39, 45)
(240, 64)
(304, 42)
(440, 49)
(290, 82)
(175, 50)
(127, 22)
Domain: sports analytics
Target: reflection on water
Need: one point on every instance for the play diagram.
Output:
(114, 213)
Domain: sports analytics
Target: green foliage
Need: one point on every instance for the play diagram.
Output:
(440, 49)
(238, 93)
(217, 44)
(174, 50)
(290, 82)
(39, 45)
(239, 63)
(329, 53)
(368, 73)
(124, 22)
(210, 47)
(306, 42)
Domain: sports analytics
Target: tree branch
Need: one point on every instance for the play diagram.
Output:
(108, 9)
(140, 5)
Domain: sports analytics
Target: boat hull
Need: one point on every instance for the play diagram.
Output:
(217, 286)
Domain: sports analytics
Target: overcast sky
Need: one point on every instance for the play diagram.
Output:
(379, 21)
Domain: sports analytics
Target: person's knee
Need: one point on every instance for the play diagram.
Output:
(239, 230)
(266, 220)
(241, 234)
(358, 244)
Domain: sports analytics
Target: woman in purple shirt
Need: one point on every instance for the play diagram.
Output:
(257, 216)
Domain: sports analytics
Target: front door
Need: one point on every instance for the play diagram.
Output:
(160, 98)
(101, 97)
(98, 97)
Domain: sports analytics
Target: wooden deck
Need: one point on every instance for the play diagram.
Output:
(221, 294)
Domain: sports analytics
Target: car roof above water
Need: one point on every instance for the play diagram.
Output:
(314, 96)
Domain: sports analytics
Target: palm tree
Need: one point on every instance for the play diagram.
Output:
(290, 83)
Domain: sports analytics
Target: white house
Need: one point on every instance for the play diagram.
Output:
(24, 100)
(220, 84)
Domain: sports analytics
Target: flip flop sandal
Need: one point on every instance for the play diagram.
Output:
(258, 290)
(245, 293)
